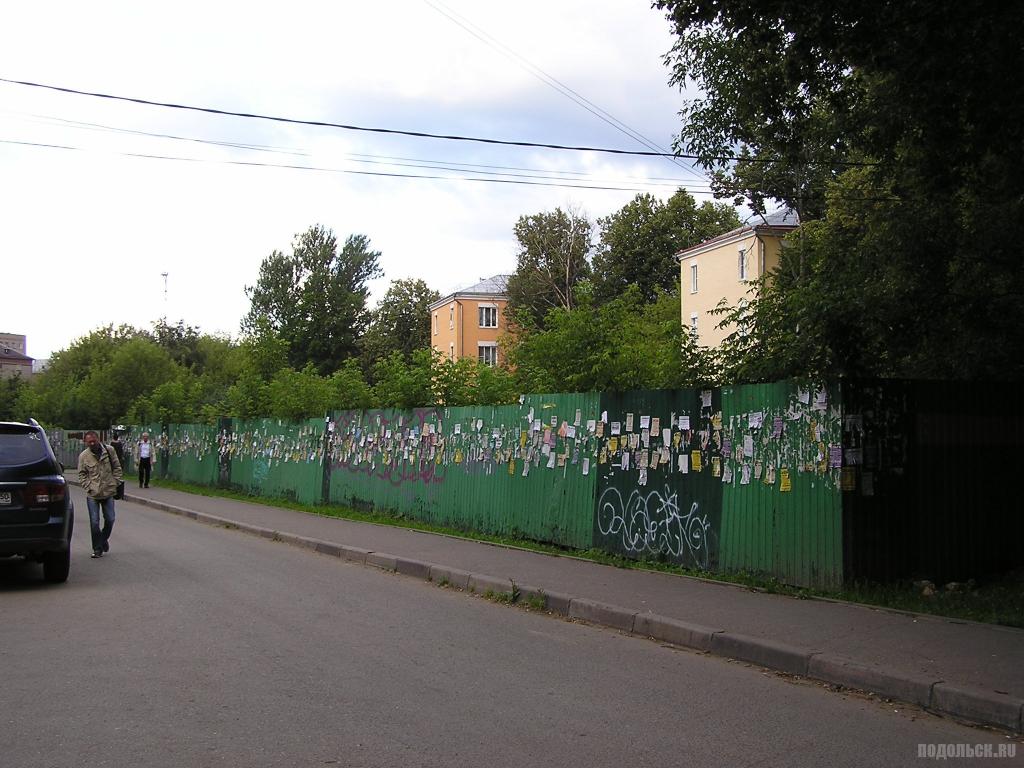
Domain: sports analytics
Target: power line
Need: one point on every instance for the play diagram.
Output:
(391, 131)
(327, 124)
(556, 84)
(413, 162)
(289, 166)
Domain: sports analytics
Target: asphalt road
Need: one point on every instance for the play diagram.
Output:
(196, 646)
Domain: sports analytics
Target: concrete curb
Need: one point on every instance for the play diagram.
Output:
(962, 702)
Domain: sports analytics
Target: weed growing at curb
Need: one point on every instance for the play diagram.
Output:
(535, 602)
(505, 598)
(1000, 601)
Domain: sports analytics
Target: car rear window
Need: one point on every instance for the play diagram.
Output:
(21, 446)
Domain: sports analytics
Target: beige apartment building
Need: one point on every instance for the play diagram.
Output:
(467, 323)
(724, 268)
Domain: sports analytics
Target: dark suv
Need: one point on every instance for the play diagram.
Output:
(36, 513)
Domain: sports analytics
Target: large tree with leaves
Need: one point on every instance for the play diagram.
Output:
(315, 298)
(400, 323)
(896, 128)
(638, 242)
(554, 250)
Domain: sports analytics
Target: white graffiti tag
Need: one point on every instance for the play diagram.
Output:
(651, 523)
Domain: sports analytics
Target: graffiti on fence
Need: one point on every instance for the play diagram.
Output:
(651, 523)
(392, 446)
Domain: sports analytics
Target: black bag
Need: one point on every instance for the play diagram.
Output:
(119, 493)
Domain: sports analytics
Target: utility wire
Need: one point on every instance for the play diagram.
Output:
(392, 131)
(290, 166)
(656, 181)
(556, 84)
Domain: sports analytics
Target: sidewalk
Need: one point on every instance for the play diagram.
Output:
(971, 671)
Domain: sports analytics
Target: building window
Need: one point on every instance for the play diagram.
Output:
(744, 327)
(743, 264)
(488, 354)
(435, 323)
(693, 278)
(693, 326)
(451, 351)
(488, 317)
(451, 317)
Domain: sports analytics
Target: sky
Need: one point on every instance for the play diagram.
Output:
(114, 212)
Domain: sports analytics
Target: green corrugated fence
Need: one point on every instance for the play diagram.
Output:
(776, 478)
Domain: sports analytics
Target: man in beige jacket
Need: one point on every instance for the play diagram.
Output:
(99, 472)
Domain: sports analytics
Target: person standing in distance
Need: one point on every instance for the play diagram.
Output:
(99, 472)
(145, 460)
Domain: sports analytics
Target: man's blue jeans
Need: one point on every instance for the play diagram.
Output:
(99, 537)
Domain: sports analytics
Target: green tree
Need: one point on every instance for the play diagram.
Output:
(304, 394)
(638, 243)
(625, 343)
(554, 248)
(12, 391)
(896, 128)
(401, 322)
(315, 299)
(349, 388)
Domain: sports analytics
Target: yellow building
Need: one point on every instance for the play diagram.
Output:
(467, 323)
(724, 268)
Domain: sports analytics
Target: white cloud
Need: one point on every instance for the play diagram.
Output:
(86, 233)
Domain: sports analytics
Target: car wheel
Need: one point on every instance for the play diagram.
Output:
(56, 566)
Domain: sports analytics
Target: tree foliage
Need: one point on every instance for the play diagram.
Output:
(315, 299)
(625, 343)
(400, 323)
(896, 129)
(638, 242)
(554, 248)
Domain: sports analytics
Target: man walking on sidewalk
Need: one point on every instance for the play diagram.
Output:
(145, 460)
(99, 472)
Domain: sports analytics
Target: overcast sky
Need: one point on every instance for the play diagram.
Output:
(88, 227)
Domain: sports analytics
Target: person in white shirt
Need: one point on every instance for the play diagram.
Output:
(145, 460)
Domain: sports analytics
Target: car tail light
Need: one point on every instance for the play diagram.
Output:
(44, 493)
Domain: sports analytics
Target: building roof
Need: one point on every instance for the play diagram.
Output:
(490, 287)
(13, 355)
(782, 220)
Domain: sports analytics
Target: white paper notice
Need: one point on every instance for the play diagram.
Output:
(666, 436)
(616, 428)
(684, 463)
(705, 398)
(684, 422)
(748, 445)
(755, 419)
(586, 466)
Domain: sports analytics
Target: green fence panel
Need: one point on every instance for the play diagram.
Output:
(782, 459)
(659, 484)
(274, 458)
(188, 453)
(526, 470)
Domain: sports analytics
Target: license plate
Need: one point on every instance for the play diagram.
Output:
(5, 497)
